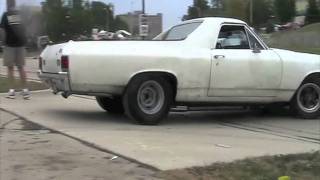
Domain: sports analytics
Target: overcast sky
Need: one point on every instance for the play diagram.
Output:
(172, 10)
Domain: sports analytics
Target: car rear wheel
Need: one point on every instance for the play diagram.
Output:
(306, 102)
(111, 105)
(148, 99)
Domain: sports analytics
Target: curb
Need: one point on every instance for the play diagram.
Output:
(36, 91)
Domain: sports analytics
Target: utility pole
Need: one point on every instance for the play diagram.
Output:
(143, 7)
(251, 12)
(143, 13)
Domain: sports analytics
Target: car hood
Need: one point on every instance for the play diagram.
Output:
(297, 56)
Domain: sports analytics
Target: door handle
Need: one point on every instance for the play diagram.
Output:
(219, 56)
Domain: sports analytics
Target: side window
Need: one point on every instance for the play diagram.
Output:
(254, 42)
(181, 32)
(232, 37)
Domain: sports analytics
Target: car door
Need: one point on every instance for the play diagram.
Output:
(242, 66)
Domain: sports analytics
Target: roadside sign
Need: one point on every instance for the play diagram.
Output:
(144, 30)
(143, 24)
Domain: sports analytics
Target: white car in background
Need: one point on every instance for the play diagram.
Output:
(211, 61)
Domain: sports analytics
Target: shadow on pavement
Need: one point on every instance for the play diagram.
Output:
(195, 117)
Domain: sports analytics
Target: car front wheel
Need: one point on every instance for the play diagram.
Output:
(148, 99)
(306, 102)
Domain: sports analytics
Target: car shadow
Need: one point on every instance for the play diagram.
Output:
(92, 116)
(241, 116)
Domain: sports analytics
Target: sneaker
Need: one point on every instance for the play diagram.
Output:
(26, 94)
(11, 94)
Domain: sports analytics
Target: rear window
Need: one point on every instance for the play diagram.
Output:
(181, 32)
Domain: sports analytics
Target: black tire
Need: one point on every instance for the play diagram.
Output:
(112, 106)
(306, 101)
(143, 90)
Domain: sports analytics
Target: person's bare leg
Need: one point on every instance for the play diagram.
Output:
(23, 77)
(11, 77)
(11, 92)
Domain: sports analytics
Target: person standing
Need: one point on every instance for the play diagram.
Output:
(14, 47)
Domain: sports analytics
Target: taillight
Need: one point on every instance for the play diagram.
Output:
(65, 63)
(40, 63)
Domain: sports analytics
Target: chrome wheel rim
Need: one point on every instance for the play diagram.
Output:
(150, 97)
(309, 98)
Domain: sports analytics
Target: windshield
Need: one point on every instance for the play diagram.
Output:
(179, 32)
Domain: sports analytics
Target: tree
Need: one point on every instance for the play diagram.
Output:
(292, 8)
(55, 16)
(192, 13)
(236, 9)
(200, 8)
(313, 13)
(65, 21)
(78, 21)
(118, 24)
(262, 11)
(217, 4)
(217, 8)
(101, 14)
(285, 10)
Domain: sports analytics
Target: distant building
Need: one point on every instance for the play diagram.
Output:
(153, 21)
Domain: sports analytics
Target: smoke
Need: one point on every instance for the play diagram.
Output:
(29, 2)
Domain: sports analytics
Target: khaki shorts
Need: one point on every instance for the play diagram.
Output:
(14, 56)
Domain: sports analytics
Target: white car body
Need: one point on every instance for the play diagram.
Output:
(202, 72)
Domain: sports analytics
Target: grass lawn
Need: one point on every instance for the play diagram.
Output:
(302, 49)
(298, 167)
(4, 85)
(306, 39)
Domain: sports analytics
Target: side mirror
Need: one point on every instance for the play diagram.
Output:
(219, 46)
(256, 49)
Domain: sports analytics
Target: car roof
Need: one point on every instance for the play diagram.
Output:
(217, 20)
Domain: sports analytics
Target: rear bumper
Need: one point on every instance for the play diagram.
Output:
(59, 82)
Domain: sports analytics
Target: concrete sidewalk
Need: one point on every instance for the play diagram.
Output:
(31, 152)
(183, 140)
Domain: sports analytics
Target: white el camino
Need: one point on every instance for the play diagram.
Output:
(211, 61)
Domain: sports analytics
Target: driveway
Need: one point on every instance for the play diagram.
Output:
(182, 140)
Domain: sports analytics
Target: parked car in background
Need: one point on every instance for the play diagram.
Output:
(42, 42)
(209, 61)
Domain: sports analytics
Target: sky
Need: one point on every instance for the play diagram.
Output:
(172, 10)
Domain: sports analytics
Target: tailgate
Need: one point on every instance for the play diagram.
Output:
(51, 58)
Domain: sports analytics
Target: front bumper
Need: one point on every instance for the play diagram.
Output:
(59, 82)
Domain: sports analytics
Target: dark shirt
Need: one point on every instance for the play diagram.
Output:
(15, 33)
